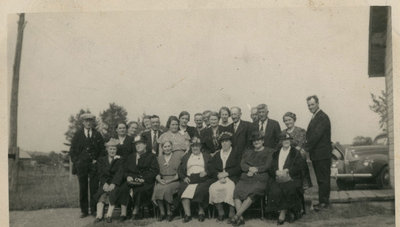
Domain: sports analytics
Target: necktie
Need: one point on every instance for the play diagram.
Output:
(235, 127)
(262, 126)
(154, 141)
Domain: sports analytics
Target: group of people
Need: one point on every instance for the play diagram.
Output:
(228, 165)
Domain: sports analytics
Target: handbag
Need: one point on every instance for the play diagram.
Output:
(283, 176)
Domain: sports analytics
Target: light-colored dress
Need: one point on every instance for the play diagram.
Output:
(168, 171)
(195, 165)
(222, 192)
(180, 141)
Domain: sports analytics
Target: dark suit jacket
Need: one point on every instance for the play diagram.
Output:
(232, 166)
(84, 151)
(207, 140)
(149, 146)
(191, 131)
(318, 137)
(147, 167)
(182, 170)
(107, 171)
(241, 138)
(126, 148)
(272, 133)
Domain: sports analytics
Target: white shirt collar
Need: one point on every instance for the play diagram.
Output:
(282, 157)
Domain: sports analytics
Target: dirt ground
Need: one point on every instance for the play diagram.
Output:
(337, 215)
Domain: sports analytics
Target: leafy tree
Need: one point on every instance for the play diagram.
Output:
(379, 106)
(109, 119)
(361, 141)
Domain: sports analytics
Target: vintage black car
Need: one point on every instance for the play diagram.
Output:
(360, 165)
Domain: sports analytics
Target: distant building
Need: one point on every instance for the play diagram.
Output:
(25, 159)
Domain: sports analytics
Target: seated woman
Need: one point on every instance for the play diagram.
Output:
(195, 180)
(167, 181)
(225, 170)
(140, 171)
(108, 167)
(287, 183)
(253, 181)
(180, 139)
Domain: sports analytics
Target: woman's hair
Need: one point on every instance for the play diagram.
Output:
(170, 119)
(184, 113)
(289, 114)
(119, 123)
(165, 142)
(226, 109)
(213, 113)
(133, 122)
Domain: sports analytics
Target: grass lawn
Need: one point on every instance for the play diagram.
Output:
(44, 188)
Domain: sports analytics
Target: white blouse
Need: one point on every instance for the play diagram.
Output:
(282, 157)
(224, 157)
(195, 164)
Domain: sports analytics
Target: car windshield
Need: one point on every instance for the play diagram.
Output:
(351, 155)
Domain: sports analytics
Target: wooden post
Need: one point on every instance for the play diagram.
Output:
(12, 145)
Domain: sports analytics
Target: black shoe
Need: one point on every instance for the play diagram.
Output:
(136, 217)
(170, 217)
(239, 222)
(233, 220)
(97, 220)
(280, 222)
(202, 217)
(220, 218)
(108, 219)
(123, 218)
(93, 214)
(187, 219)
(320, 206)
(161, 217)
(84, 215)
(290, 217)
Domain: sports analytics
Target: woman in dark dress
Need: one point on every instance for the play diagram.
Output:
(299, 138)
(253, 181)
(225, 170)
(125, 146)
(140, 171)
(167, 181)
(224, 113)
(184, 118)
(209, 136)
(195, 181)
(286, 181)
(108, 167)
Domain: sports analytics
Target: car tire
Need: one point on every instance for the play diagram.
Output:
(383, 179)
(345, 185)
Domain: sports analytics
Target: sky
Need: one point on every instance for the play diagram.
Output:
(163, 62)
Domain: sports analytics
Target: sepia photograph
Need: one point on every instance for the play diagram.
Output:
(225, 116)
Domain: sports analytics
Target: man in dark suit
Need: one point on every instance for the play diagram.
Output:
(87, 146)
(198, 120)
(241, 131)
(267, 127)
(152, 135)
(319, 146)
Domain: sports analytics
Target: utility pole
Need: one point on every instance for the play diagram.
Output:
(13, 150)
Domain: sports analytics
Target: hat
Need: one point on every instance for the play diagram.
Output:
(87, 116)
(195, 142)
(112, 143)
(225, 136)
(285, 136)
(256, 136)
(139, 139)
